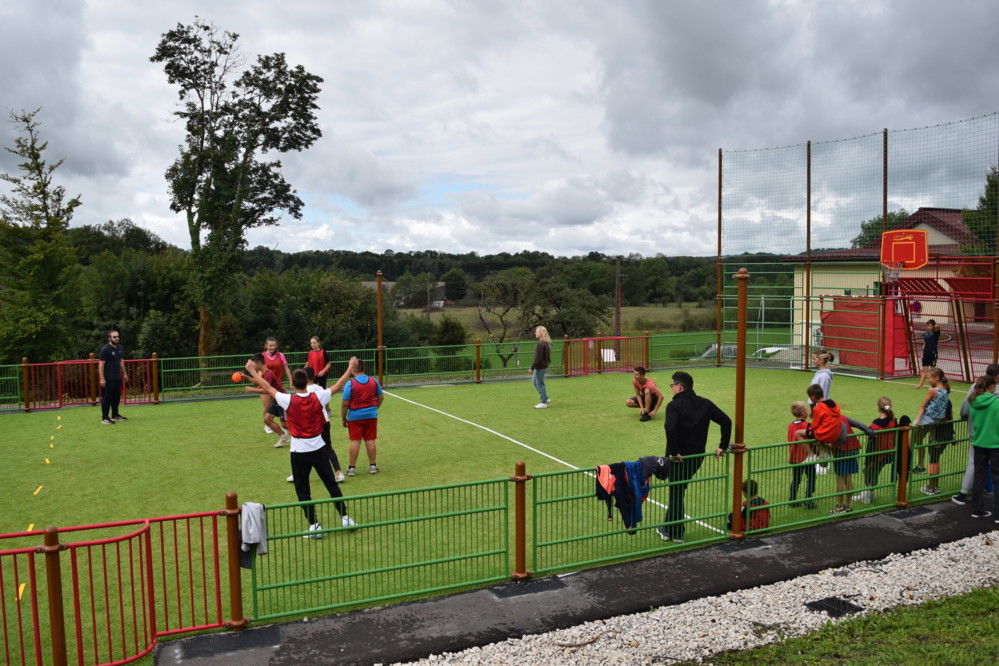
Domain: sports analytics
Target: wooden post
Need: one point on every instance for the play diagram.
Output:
(520, 479)
(93, 381)
(478, 361)
(739, 445)
(156, 378)
(236, 620)
(647, 358)
(26, 383)
(904, 454)
(53, 581)
(566, 353)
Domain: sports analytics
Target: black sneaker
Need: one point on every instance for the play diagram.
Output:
(107, 421)
(644, 417)
(118, 418)
(981, 514)
(960, 499)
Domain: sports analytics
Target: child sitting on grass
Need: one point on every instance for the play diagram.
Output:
(798, 453)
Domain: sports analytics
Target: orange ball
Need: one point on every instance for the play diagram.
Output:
(237, 377)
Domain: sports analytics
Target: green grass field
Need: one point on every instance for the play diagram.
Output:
(64, 468)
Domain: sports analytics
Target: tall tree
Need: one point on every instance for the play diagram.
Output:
(37, 266)
(871, 230)
(233, 116)
(984, 220)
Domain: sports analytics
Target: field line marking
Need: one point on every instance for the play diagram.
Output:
(529, 448)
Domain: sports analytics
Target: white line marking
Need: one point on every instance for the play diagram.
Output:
(529, 448)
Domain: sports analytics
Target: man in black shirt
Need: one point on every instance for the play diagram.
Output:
(688, 416)
(111, 371)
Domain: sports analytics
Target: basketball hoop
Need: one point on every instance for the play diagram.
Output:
(890, 270)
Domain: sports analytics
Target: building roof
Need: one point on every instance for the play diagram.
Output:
(947, 221)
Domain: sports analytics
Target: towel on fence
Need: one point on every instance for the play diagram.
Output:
(254, 527)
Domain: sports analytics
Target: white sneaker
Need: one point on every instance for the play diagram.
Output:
(267, 430)
(340, 477)
(291, 478)
(347, 521)
(284, 439)
(864, 497)
(541, 405)
(315, 532)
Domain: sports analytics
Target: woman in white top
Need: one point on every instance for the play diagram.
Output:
(823, 375)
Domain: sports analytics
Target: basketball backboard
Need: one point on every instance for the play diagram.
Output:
(907, 247)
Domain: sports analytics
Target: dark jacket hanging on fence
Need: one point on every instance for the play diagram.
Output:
(626, 485)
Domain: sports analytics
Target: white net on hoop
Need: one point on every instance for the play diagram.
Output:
(890, 271)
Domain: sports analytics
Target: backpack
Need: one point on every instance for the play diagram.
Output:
(826, 424)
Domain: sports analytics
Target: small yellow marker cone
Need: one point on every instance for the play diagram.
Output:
(58, 427)
(51, 438)
(20, 591)
(51, 446)
(58, 418)
(46, 461)
(38, 490)
(30, 527)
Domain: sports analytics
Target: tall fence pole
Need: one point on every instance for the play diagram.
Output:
(646, 358)
(155, 372)
(520, 479)
(236, 619)
(807, 278)
(53, 581)
(718, 272)
(478, 361)
(25, 384)
(380, 353)
(566, 352)
(882, 349)
(739, 445)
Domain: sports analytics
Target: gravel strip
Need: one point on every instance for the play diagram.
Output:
(749, 618)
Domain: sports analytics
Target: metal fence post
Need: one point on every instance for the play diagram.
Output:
(236, 620)
(92, 379)
(904, 455)
(53, 581)
(25, 384)
(380, 363)
(647, 360)
(566, 352)
(155, 362)
(520, 479)
(478, 361)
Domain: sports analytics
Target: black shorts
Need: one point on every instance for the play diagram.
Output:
(653, 400)
(276, 410)
(929, 360)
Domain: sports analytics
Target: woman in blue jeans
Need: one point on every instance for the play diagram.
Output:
(542, 359)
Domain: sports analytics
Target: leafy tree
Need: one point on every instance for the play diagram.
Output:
(455, 284)
(563, 309)
(37, 267)
(871, 230)
(233, 117)
(983, 221)
(449, 333)
(498, 300)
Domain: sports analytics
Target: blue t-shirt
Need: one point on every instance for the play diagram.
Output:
(365, 412)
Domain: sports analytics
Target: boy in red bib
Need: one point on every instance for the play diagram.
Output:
(305, 418)
(362, 397)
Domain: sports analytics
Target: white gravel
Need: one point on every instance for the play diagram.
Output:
(749, 618)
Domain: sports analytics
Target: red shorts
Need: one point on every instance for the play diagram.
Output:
(366, 429)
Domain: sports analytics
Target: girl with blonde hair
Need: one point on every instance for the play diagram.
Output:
(542, 359)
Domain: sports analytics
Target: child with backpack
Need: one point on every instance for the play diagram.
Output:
(834, 432)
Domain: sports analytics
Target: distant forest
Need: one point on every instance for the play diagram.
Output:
(122, 276)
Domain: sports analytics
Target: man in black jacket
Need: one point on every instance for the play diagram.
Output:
(688, 416)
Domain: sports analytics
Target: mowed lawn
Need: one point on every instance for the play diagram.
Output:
(64, 468)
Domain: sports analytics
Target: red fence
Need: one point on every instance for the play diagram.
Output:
(607, 354)
(133, 582)
(54, 385)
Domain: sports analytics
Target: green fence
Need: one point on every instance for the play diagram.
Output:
(570, 528)
(405, 543)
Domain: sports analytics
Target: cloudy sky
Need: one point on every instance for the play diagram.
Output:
(495, 125)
